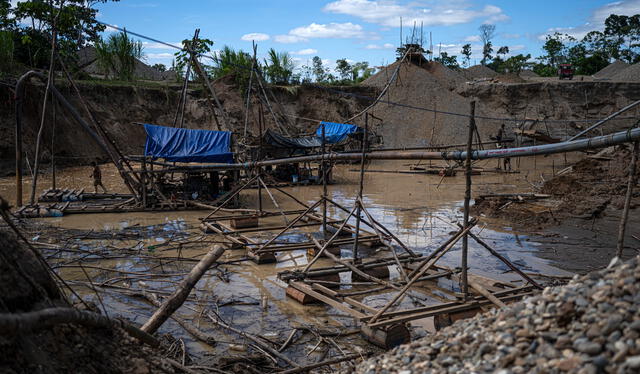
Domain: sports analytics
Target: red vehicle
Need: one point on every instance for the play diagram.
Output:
(565, 71)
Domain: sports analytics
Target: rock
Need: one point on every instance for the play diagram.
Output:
(632, 362)
(570, 363)
(590, 348)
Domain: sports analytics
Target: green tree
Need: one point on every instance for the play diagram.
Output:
(487, 32)
(344, 68)
(623, 33)
(279, 67)
(448, 61)
(159, 67)
(515, 64)
(117, 56)
(361, 71)
(466, 52)
(199, 46)
(75, 23)
(319, 72)
(553, 46)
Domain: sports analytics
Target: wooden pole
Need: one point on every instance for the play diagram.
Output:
(143, 185)
(361, 187)
(627, 200)
(323, 165)
(44, 113)
(260, 120)
(246, 110)
(53, 145)
(180, 295)
(467, 199)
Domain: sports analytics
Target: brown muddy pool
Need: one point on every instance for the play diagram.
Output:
(126, 253)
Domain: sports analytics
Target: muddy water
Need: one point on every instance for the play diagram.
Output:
(420, 209)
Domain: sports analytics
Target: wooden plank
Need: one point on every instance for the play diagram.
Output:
(326, 299)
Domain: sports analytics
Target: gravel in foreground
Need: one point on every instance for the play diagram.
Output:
(591, 325)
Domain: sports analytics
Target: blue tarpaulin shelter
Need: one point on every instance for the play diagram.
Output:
(187, 145)
(336, 132)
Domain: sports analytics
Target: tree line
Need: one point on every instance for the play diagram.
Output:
(620, 40)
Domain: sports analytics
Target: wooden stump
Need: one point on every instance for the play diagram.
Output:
(387, 337)
(262, 258)
(244, 222)
(300, 296)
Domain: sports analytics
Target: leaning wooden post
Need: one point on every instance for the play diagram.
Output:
(180, 295)
(143, 176)
(627, 199)
(467, 199)
(324, 183)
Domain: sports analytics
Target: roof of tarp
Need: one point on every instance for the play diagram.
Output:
(187, 145)
(277, 140)
(334, 133)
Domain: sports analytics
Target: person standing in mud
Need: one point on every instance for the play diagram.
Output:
(501, 143)
(96, 174)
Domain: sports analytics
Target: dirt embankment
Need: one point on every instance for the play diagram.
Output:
(117, 107)
(433, 86)
(587, 190)
(26, 286)
(573, 101)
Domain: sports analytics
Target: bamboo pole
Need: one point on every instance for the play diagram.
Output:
(627, 200)
(324, 183)
(182, 292)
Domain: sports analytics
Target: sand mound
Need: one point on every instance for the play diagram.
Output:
(416, 86)
(528, 74)
(611, 70)
(630, 74)
(447, 77)
(478, 72)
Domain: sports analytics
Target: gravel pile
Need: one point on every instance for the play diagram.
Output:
(591, 325)
(630, 74)
(528, 74)
(446, 77)
(479, 72)
(611, 70)
(417, 86)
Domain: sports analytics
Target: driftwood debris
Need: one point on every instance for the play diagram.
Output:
(180, 295)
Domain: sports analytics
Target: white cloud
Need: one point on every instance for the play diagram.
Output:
(257, 36)
(289, 39)
(472, 38)
(438, 13)
(331, 30)
(307, 51)
(383, 46)
(597, 18)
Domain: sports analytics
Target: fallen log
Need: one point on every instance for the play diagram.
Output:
(180, 295)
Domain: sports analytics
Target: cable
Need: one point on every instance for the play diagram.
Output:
(363, 97)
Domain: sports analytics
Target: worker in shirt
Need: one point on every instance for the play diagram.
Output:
(96, 174)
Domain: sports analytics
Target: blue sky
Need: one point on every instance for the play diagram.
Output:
(359, 30)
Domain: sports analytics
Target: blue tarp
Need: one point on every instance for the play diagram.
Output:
(186, 145)
(336, 132)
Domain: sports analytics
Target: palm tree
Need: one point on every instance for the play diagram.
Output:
(279, 67)
(118, 54)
